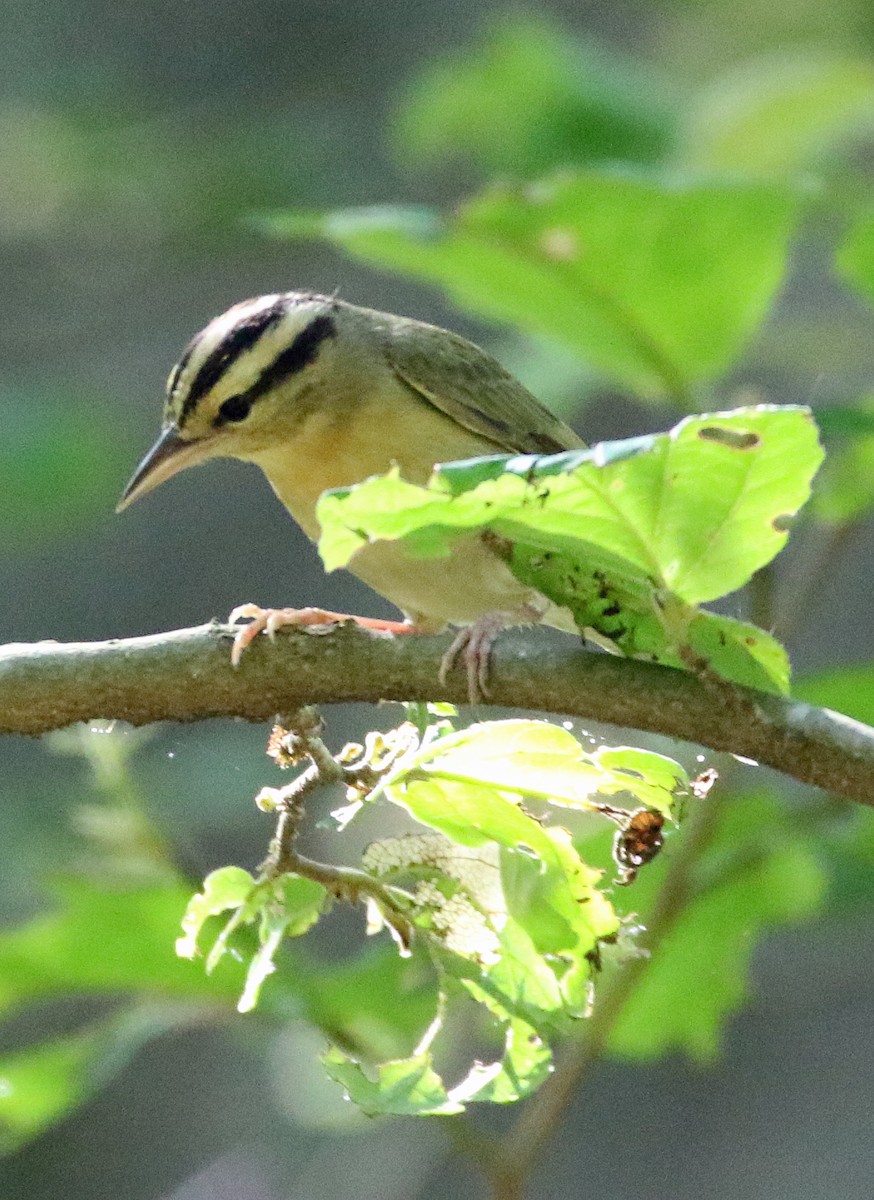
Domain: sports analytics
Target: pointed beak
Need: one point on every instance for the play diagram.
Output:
(169, 455)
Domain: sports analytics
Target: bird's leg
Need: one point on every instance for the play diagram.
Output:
(269, 620)
(474, 644)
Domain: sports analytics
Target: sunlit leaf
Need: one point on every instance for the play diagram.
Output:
(756, 874)
(463, 896)
(530, 917)
(412, 1087)
(226, 888)
(294, 908)
(539, 760)
(739, 651)
(404, 1087)
(657, 281)
(458, 889)
(526, 1064)
(283, 907)
(628, 537)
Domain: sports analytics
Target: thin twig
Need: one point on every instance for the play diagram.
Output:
(298, 736)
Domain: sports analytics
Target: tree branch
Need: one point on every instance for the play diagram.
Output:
(186, 675)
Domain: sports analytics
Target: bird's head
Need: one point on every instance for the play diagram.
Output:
(243, 383)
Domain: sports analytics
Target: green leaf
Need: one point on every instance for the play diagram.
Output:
(844, 492)
(531, 918)
(462, 897)
(405, 1087)
(105, 941)
(702, 507)
(656, 281)
(525, 1065)
(458, 892)
(521, 979)
(41, 1084)
(50, 448)
(469, 814)
(283, 907)
(539, 760)
(228, 887)
(756, 874)
(778, 114)
(628, 537)
(295, 907)
(411, 1086)
(557, 904)
(855, 261)
(848, 690)
(528, 98)
(739, 651)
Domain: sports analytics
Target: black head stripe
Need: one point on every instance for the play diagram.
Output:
(175, 374)
(242, 337)
(302, 351)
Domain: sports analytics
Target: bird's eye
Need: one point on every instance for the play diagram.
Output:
(236, 408)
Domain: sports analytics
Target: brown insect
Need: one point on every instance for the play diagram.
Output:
(638, 842)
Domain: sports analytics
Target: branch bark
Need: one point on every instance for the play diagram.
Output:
(186, 675)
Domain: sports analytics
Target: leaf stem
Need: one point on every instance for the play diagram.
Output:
(297, 736)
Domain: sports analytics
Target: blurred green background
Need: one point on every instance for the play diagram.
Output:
(138, 147)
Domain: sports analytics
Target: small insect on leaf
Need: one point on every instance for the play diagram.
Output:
(638, 843)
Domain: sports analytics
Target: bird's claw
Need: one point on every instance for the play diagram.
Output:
(270, 621)
(474, 644)
(315, 620)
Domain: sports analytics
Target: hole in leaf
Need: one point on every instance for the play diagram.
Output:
(735, 439)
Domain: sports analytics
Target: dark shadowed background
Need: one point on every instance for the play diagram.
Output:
(136, 143)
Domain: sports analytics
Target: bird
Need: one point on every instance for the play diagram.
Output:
(320, 394)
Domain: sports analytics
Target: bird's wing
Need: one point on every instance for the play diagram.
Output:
(473, 389)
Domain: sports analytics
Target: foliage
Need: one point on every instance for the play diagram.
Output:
(624, 535)
(51, 438)
(648, 229)
(508, 912)
(529, 98)
(656, 280)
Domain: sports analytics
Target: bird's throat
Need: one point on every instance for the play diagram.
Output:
(331, 450)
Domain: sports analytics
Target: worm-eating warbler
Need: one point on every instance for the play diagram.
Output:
(321, 394)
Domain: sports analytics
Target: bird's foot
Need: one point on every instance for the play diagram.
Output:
(474, 644)
(270, 620)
